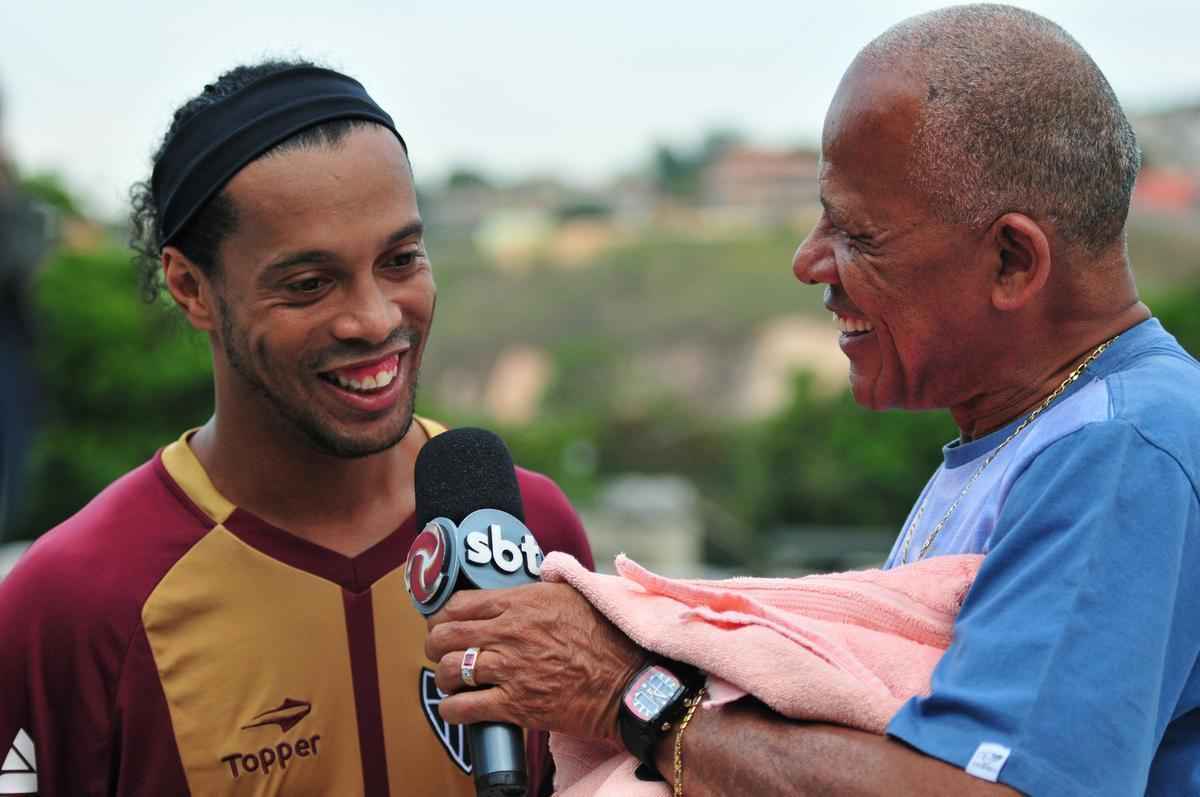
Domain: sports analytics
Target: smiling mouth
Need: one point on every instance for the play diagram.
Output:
(365, 379)
(852, 326)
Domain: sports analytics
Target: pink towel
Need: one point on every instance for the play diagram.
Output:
(846, 648)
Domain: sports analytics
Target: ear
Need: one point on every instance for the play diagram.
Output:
(191, 289)
(1024, 261)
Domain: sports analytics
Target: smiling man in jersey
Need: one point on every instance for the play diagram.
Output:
(231, 618)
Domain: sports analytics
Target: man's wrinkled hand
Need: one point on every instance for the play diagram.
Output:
(547, 660)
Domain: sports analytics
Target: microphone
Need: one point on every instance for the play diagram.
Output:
(473, 537)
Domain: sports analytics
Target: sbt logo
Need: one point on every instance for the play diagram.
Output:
(506, 555)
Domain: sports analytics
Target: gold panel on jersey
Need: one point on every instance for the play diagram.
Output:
(183, 466)
(255, 665)
(254, 659)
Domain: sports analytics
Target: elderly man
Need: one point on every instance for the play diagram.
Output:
(231, 617)
(976, 174)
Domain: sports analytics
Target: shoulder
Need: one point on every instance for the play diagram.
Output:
(543, 498)
(99, 564)
(1156, 394)
(1157, 372)
(1104, 485)
(1140, 407)
(551, 517)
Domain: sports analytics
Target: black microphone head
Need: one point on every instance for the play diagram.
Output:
(462, 470)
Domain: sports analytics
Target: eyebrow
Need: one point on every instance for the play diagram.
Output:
(830, 206)
(838, 216)
(322, 256)
(835, 213)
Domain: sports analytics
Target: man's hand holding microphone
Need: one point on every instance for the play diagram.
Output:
(510, 651)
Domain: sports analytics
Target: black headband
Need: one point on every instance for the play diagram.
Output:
(216, 143)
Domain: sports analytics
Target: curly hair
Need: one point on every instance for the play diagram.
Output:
(201, 238)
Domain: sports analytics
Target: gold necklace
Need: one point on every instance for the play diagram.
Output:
(1079, 369)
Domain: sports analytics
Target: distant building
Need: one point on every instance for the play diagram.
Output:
(513, 237)
(782, 346)
(1170, 177)
(654, 520)
(634, 200)
(1170, 139)
(1166, 191)
(762, 185)
(517, 382)
(464, 208)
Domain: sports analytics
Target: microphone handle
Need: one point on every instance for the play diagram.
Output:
(498, 759)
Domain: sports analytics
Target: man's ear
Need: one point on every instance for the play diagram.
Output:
(191, 289)
(1024, 261)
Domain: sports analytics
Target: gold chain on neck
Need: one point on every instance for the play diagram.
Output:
(1079, 369)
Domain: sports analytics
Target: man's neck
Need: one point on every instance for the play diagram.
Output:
(1034, 374)
(346, 505)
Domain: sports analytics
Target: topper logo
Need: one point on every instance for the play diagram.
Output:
(504, 554)
(425, 571)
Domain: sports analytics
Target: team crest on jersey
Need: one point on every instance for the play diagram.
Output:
(452, 737)
(18, 773)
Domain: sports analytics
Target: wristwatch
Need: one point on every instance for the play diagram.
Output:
(652, 703)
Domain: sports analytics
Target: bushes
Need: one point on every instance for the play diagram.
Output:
(117, 381)
(1179, 312)
(121, 379)
(825, 460)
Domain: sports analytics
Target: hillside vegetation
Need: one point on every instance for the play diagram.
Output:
(120, 379)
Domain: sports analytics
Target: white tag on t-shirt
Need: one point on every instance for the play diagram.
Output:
(988, 760)
(18, 771)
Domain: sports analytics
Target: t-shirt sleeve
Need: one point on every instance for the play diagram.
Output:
(554, 522)
(17, 759)
(1078, 638)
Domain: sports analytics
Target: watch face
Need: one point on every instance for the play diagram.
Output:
(655, 689)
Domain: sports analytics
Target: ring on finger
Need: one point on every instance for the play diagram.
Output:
(468, 666)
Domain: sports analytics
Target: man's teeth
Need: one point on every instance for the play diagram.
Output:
(852, 324)
(381, 379)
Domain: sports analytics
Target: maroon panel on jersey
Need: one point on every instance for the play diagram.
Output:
(360, 629)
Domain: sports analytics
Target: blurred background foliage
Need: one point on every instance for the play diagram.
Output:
(119, 379)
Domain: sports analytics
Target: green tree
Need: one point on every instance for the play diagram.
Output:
(119, 380)
(675, 173)
(51, 190)
(678, 172)
(825, 460)
(467, 177)
(1179, 312)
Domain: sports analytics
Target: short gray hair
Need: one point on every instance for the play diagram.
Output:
(1017, 118)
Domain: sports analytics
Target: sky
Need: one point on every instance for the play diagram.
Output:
(518, 88)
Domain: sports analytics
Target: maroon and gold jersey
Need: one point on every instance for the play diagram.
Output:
(166, 642)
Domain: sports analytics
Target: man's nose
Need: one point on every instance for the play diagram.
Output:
(813, 262)
(370, 314)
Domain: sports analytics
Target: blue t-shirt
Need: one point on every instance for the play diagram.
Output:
(1073, 669)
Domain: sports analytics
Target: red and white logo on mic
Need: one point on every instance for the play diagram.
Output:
(428, 561)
